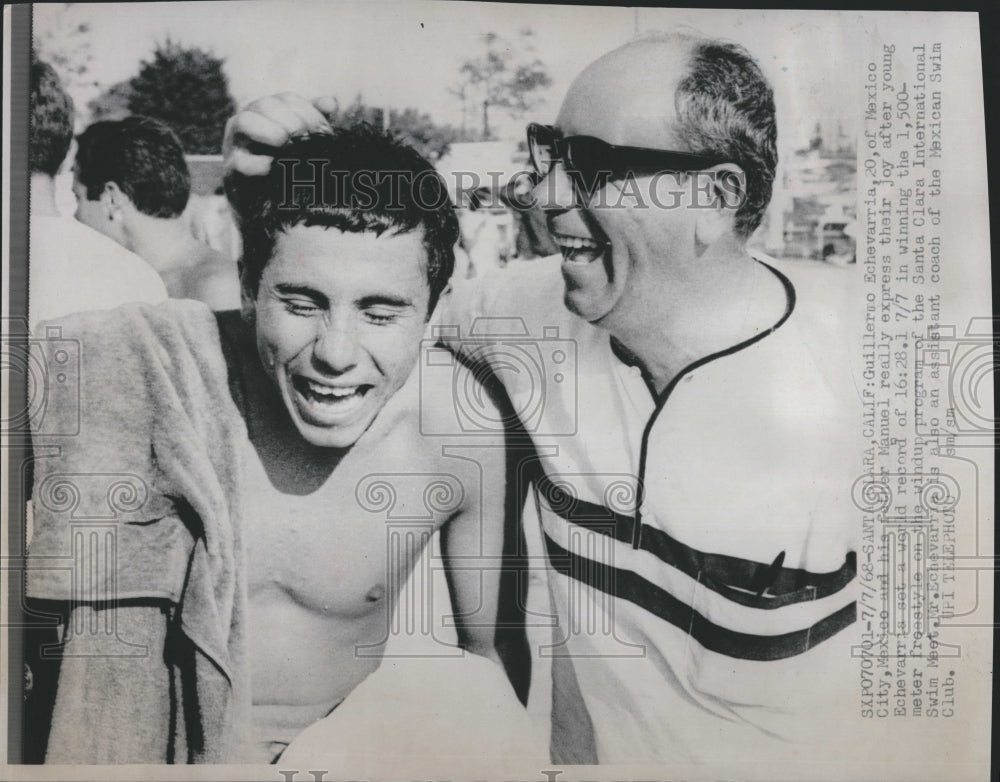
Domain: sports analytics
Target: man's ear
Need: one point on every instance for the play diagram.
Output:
(720, 193)
(114, 200)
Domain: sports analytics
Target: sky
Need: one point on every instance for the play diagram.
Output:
(400, 54)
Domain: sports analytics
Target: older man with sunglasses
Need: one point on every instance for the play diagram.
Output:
(692, 415)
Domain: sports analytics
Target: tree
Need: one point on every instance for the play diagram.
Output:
(112, 103)
(507, 76)
(461, 91)
(186, 89)
(410, 125)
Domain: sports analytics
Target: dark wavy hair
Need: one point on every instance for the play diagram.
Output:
(51, 122)
(725, 109)
(355, 179)
(143, 157)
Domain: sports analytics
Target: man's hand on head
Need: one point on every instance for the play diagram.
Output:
(254, 133)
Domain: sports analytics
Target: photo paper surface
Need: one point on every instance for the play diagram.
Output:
(459, 391)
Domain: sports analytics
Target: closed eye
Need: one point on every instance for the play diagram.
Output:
(300, 299)
(382, 309)
(382, 316)
(303, 307)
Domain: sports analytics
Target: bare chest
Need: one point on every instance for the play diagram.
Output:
(344, 549)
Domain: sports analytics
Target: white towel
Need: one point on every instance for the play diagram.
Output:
(454, 715)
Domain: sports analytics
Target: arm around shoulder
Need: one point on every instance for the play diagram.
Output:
(472, 540)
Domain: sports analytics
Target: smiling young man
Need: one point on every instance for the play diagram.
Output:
(694, 481)
(271, 449)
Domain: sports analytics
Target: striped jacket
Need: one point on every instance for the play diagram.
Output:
(700, 543)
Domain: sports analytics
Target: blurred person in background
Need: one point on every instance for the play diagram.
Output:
(212, 223)
(71, 267)
(132, 184)
(481, 234)
(533, 240)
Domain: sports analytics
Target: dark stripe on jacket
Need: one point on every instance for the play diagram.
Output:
(626, 585)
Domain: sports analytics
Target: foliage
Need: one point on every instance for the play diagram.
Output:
(112, 103)
(186, 89)
(410, 125)
(508, 75)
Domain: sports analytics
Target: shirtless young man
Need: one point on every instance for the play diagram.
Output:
(341, 300)
(319, 379)
(132, 184)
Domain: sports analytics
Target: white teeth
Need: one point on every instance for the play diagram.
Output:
(330, 391)
(574, 242)
(319, 404)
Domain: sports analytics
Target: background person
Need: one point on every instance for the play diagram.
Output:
(71, 267)
(533, 240)
(481, 237)
(132, 184)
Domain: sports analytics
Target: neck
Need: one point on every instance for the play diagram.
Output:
(726, 298)
(294, 465)
(165, 243)
(43, 195)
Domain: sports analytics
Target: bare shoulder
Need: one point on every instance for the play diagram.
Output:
(445, 425)
(215, 281)
(403, 460)
(457, 399)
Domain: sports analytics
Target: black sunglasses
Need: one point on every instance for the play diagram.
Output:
(591, 161)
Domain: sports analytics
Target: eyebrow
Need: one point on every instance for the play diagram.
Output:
(302, 290)
(384, 300)
(372, 300)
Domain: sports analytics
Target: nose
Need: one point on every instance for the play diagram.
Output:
(555, 190)
(336, 349)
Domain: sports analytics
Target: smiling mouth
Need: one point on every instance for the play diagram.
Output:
(578, 250)
(321, 404)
